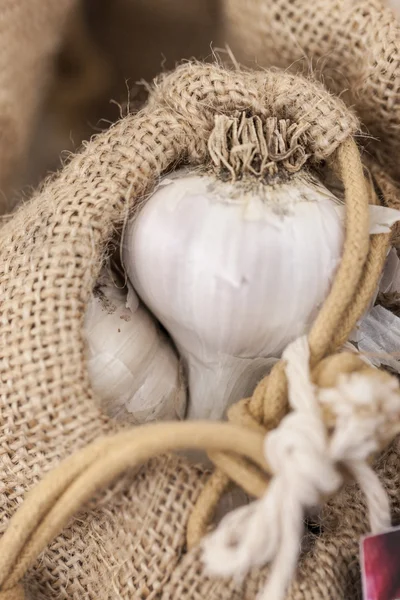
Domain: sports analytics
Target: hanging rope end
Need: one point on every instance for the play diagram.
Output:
(343, 425)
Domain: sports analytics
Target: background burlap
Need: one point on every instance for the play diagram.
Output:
(129, 542)
(352, 45)
(106, 49)
(30, 35)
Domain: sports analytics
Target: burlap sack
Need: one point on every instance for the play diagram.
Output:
(353, 46)
(30, 35)
(129, 542)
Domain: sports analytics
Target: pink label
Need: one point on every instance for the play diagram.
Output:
(380, 565)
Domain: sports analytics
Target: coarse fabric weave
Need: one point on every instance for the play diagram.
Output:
(129, 542)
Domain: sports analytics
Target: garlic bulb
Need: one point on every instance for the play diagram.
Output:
(234, 272)
(134, 370)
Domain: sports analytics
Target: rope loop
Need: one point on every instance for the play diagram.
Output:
(237, 448)
(355, 281)
(329, 432)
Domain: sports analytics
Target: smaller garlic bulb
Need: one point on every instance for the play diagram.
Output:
(134, 370)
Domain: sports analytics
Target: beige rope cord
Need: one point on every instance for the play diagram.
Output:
(181, 112)
(49, 505)
(354, 284)
(60, 494)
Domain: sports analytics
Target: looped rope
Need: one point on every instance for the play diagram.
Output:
(50, 504)
(330, 432)
(355, 281)
(237, 449)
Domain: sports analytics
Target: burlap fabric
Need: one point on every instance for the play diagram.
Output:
(30, 35)
(352, 45)
(329, 569)
(129, 542)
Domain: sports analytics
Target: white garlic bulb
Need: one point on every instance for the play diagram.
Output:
(234, 272)
(134, 370)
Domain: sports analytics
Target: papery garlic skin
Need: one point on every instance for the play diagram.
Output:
(377, 336)
(234, 272)
(133, 367)
(390, 280)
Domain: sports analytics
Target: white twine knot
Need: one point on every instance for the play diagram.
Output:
(304, 454)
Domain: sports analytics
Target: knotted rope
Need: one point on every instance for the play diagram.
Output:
(237, 449)
(328, 433)
(49, 505)
(355, 281)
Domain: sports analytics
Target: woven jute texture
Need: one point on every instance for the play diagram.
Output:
(352, 45)
(30, 35)
(329, 568)
(129, 541)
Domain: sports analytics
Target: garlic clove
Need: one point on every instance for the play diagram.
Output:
(233, 270)
(134, 370)
(382, 218)
(378, 337)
